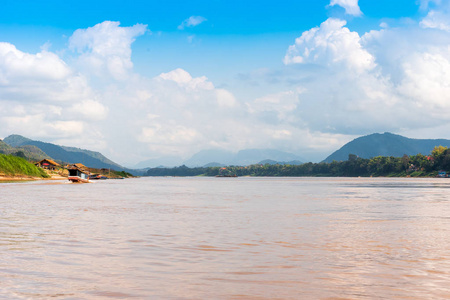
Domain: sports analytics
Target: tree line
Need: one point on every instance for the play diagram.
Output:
(414, 166)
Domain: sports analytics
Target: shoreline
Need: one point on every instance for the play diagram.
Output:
(28, 178)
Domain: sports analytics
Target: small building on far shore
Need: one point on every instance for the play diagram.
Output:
(48, 164)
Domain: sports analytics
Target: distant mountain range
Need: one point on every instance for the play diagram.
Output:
(386, 144)
(61, 153)
(377, 144)
(217, 158)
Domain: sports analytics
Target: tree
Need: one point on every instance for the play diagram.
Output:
(438, 151)
(405, 162)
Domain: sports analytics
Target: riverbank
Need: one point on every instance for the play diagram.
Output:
(27, 178)
(18, 178)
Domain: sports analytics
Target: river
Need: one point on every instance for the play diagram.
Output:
(226, 238)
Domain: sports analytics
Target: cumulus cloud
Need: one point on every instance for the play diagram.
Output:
(106, 48)
(184, 79)
(42, 97)
(90, 109)
(351, 6)
(18, 65)
(192, 21)
(331, 44)
(387, 80)
(225, 98)
(173, 113)
(426, 81)
(276, 108)
(437, 19)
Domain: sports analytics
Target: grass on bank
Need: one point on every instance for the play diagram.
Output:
(16, 166)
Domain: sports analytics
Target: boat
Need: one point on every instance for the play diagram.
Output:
(442, 174)
(78, 173)
(97, 177)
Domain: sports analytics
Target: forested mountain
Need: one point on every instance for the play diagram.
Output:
(26, 151)
(64, 154)
(386, 144)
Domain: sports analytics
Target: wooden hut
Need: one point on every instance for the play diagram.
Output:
(47, 164)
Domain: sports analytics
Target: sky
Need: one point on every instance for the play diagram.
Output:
(156, 79)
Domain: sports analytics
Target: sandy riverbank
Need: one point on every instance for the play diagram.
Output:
(28, 178)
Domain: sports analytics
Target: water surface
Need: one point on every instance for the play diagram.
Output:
(226, 238)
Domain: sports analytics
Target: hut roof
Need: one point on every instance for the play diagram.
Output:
(52, 162)
(79, 167)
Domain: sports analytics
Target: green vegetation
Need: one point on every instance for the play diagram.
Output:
(123, 174)
(178, 171)
(110, 173)
(16, 166)
(414, 166)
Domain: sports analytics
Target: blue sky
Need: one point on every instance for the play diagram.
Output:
(183, 76)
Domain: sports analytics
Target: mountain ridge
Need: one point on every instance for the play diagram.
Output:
(241, 158)
(220, 157)
(385, 144)
(65, 154)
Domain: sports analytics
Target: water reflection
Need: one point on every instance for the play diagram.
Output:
(249, 238)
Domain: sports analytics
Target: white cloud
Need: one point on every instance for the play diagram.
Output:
(173, 135)
(18, 65)
(90, 109)
(388, 80)
(426, 81)
(436, 19)
(351, 6)
(37, 125)
(225, 98)
(41, 96)
(106, 48)
(192, 21)
(184, 79)
(276, 108)
(384, 25)
(438, 15)
(331, 44)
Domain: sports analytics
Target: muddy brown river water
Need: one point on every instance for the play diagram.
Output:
(226, 238)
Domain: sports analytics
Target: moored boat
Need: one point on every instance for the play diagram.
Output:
(78, 173)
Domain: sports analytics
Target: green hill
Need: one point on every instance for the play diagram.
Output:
(4, 147)
(16, 166)
(386, 144)
(64, 154)
(31, 153)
